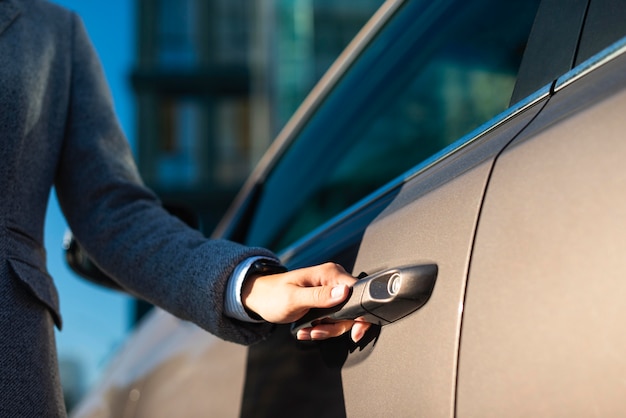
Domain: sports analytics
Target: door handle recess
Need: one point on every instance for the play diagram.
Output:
(380, 299)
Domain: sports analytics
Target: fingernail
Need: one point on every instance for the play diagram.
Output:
(304, 335)
(338, 291)
(319, 335)
(357, 335)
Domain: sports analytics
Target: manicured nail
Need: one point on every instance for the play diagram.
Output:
(338, 291)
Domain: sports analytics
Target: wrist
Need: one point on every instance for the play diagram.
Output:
(261, 267)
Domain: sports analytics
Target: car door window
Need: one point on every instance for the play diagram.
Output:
(435, 72)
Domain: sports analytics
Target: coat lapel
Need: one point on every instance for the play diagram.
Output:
(9, 10)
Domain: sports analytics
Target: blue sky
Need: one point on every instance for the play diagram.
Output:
(95, 319)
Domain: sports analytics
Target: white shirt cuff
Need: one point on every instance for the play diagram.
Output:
(233, 306)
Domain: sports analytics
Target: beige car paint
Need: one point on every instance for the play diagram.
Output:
(543, 325)
(431, 221)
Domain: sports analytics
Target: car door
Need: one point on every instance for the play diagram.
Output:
(386, 167)
(542, 327)
(542, 320)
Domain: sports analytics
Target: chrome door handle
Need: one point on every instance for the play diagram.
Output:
(381, 298)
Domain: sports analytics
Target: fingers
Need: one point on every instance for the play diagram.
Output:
(326, 274)
(286, 297)
(320, 296)
(329, 330)
(321, 286)
(358, 330)
(324, 331)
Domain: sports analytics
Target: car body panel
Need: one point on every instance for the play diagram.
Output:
(432, 220)
(542, 332)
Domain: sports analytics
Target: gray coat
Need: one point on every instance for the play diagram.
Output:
(58, 128)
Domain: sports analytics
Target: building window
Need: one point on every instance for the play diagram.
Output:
(177, 33)
(179, 157)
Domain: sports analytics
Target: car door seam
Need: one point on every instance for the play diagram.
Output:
(473, 244)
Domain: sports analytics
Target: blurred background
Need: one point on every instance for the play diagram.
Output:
(201, 87)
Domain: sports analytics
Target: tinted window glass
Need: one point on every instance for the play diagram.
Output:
(436, 71)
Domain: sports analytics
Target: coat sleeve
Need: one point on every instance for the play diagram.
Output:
(121, 223)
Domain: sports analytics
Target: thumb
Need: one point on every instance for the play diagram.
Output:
(322, 296)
